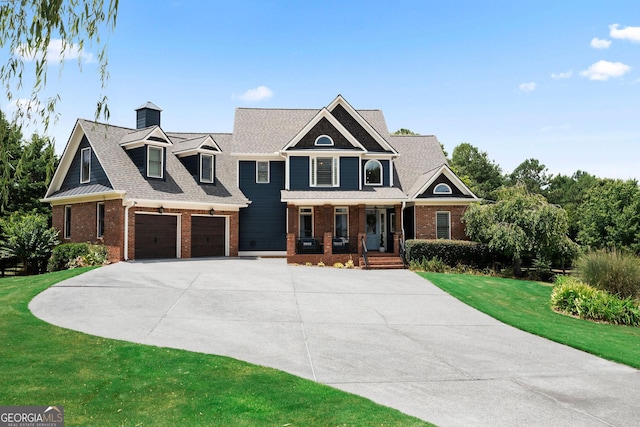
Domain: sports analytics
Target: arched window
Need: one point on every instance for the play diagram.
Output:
(442, 189)
(373, 173)
(324, 140)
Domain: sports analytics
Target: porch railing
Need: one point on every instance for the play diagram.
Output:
(364, 253)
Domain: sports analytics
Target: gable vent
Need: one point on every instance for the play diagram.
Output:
(147, 115)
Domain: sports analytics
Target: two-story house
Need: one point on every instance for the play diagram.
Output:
(314, 185)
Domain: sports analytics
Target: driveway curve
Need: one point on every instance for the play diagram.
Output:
(390, 336)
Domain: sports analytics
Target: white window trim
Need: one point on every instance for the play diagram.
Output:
(441, 192)
(66, 229)
(83, 179)
(149, 148)
(392, 222)
(98, 235)
(449, 217)
(306, 214)
(335, 171)
(335, 214)
(381, 173)
(212, 174)
(323, 145)
(268, 171)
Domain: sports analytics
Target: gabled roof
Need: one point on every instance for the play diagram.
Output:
(425, 180)
(418, 155)
(323, 114)
(189, 144)
(152, 134)
(178, 187)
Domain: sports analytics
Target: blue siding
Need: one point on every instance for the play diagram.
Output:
(349, 173)
(98, 176)
(299, 173)
(191, 163)
(263, 222)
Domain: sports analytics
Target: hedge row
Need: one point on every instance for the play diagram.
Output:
(69, 255)
(453, 252)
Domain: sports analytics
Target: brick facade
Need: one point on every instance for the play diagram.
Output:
(84, 227)
(425, 217)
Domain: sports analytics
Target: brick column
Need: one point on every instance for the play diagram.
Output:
(291, 244)
(327, 243)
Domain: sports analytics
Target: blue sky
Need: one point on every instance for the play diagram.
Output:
(554, 80)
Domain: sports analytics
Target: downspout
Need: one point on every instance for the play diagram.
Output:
(126, 229)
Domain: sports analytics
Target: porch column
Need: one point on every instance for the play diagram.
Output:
(398, 227)
(291, 229)
(328, 229)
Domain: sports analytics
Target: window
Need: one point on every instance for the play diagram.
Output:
(392, 222)
(85, 167)
(262, 172)
(306, 222)
(206, 168)
(373, 173)
(342, 222)
(443, 225)
(324, 172)
(100, 219)
(442, 189)
(155, 162)
(324, 140)
(67, 222)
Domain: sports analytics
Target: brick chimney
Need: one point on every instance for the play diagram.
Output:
(147, 115)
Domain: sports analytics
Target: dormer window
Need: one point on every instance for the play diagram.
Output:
(324, 140)
(373, 173)
(206, 168)
(85, 167)
(155, 162)
(442, 189)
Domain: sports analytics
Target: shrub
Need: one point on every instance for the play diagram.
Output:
(576, 298)
(321, 264)
(349, 264)
(452, 252)
(434, 264)
(615, 272)
(338, 265)
(28, 238)
(71, 255)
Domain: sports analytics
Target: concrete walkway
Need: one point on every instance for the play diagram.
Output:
(387, 335)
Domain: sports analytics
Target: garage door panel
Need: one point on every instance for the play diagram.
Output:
(156, 236)
(208, 236)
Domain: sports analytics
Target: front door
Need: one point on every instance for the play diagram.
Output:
(374, 220)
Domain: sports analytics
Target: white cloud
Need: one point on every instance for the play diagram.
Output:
(257, 94)
(626, 33)
(56, 51)
(565, 75)
(604, 70)
(597, 43)
(527, 87)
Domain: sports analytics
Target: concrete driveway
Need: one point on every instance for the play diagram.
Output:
(387, 335)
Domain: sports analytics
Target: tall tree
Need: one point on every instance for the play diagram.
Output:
(521, 225)
(403, 131)
(532, 174)
(41, 31)
(477, 170)
(569, 192)
(610, 216)
(10, 152)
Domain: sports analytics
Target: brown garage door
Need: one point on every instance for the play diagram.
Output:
(156, 236)
(207, 236)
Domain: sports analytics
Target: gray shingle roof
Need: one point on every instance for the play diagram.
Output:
(419, 154)
(179, 185)
(83, 190)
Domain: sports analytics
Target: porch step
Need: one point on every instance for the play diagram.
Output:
(383, 262)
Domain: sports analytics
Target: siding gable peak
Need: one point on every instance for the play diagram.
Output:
(325, 120)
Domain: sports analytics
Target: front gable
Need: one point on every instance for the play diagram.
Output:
(324, 123)
(440, 184)
(74, 174)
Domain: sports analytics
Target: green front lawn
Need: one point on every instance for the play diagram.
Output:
(526, 305)
(107, 382)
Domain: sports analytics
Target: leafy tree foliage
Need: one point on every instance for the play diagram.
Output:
(28, 238)
(532, 174)
(403, 131)
(30, 29)
(521, 225)
(475, 168)
(610, 216)
(26, 168)
(569, 192)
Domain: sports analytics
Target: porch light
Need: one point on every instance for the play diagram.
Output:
(211, 211)
(160, 210)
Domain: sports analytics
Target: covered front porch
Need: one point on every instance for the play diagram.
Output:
(331, 233)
